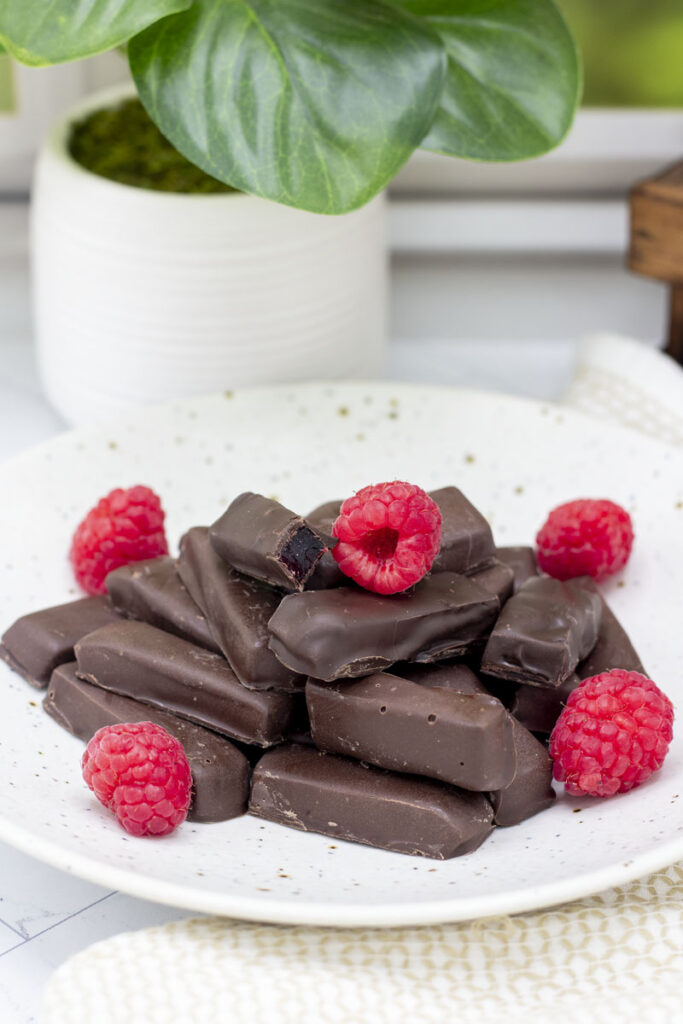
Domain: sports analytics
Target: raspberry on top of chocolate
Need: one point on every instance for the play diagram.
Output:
(389, 535)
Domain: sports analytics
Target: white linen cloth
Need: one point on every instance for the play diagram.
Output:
(614, 958)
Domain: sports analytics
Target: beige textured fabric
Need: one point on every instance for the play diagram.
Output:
(615, 958)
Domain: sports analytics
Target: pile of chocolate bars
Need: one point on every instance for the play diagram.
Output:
(409, 722)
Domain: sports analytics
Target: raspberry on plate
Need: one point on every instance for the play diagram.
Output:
(123, 527)
(613, 734)
(586, 537)
(141, 774)
(389, 535)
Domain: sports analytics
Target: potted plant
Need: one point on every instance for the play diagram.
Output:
(305, 109)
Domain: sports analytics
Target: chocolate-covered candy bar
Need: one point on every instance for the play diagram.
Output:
(544, 631)
(153, 592)
(37, 643)
(347, 632)
(496, 577)
(613, 649)
(463, 739)
(326, 572)
(238, 610)
(261, 538)
(466, 538)
(140, 661)
(539, 709)
(530, 790)
(220, 772)
(522, 561)
(451, 675)
(315, 792)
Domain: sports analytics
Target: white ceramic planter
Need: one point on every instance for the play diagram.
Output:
(142, 296)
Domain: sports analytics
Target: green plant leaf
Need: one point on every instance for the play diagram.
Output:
(513, 81)
(54, 31)
(312, 103)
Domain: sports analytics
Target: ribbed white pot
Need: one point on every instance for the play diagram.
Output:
(142, 296)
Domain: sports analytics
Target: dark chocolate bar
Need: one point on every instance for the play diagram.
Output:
(140, 661)
(522, 561)
(40, 641)
(450, 675)
(530, 791)
(463, 739)
(153, 592)
(326, 573)
(466, 538)
(261, 538)
(347, 632)
(496, 577)
(238, 610)
(544, 631)
(220, 772)
(315, 792)
(538, 709)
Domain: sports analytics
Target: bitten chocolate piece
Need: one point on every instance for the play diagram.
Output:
(522, 561)
(37, 643)
(326, 573)
(139, 661)
(336, 634)
(451, 675)
(530, 790)
(544, 631)
(238, 610)
(220, 773)
(463, 739)
(315, 792)
(496, 577)
(261, 538)
(466, 538)
(153, 592)
(539, 709)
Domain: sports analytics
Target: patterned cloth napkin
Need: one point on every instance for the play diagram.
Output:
(614, 958)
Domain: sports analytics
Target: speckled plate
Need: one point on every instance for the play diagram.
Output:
(305, 444)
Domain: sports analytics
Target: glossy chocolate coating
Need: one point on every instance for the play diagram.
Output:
(466, 538)
(37, 643)
(220, 773)
(139, 661)
(539, 709)
(347, 632)
(238, 610)
(451, 675)
(530, 790)
(153, 592)
(544, 631)
(315, 792)
(463, 739)
(522, 561)
(496, 577)
(326, 573)
(261, 538)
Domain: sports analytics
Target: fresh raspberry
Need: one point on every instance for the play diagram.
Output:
(612, 735)
(585, 538)
(389, 535)
(141, 773)
(125, 526)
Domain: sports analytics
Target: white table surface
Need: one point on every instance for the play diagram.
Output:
(45, 915)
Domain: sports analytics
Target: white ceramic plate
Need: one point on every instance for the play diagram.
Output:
(305, 444)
